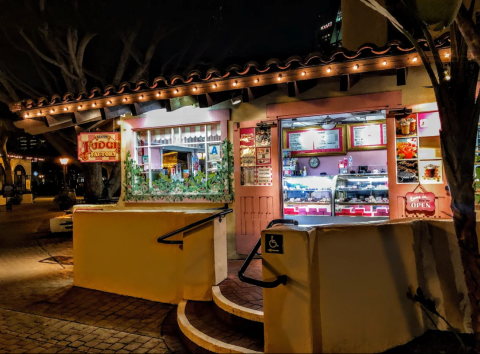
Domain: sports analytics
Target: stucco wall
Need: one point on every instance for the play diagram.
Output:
(346, 291)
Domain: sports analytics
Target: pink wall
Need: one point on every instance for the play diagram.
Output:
(329, 164)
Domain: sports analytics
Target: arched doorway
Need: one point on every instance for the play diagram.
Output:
(2, 177)
(19, 178)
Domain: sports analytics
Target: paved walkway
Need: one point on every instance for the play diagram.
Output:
(42, 312)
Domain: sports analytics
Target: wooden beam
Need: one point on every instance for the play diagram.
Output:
(401, 76)
(252, 93)
(296, 88)
(348, 81)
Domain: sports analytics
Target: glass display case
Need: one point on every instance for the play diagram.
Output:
(308, 196)
(362, 195)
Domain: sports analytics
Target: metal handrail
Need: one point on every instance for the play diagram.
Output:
(193, 225)
(282, 279)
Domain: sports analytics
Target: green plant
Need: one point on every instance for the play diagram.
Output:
(218, 187)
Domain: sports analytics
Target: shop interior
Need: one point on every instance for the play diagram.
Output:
(335, 168)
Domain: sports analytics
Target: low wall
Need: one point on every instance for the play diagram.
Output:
(117, 251)
(347, 285)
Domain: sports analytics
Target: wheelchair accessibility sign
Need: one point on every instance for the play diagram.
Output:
(274, 243)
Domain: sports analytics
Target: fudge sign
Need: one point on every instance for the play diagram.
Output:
(420, 202)
(99, 147)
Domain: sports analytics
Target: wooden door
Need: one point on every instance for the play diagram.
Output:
(257, 181)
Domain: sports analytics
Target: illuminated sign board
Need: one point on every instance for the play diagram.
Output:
(99, 147)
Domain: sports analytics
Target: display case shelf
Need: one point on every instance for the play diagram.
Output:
(303, 203)
(362, 190)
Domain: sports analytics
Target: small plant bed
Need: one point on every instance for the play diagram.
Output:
(435, 341)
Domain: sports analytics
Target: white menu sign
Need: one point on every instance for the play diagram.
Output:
(327, 139)
(295, 144)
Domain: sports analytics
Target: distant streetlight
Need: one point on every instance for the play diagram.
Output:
(64, 163)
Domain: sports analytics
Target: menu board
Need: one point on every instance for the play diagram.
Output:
(256, 156)
(315, 141)
(367, 136)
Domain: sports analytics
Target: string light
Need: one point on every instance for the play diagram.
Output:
(235, 83)
(356, 67)
(80, 107)
(158, 94)
(304, 73)
(447, 55)
(38, 113)
(109, 102)
(52, 110)
(141, 97)
(384, 62)
(279, 77)
(329, 70)
(176, 91)
(214, 85)
(94, 104)
(256, 81)
(194, 89)
(65, 109)
(447, 75)
(125, 99)
(26, 115)
(414, 59)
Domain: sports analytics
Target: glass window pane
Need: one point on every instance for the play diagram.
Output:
(142, 138)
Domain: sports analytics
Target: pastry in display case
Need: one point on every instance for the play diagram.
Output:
(362, 195)
(310, 195)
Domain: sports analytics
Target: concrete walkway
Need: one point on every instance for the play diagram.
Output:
(42, 312)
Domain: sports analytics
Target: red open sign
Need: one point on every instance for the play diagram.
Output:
(420, 202)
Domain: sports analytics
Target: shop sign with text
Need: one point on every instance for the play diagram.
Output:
(420, 202)
(99, 147)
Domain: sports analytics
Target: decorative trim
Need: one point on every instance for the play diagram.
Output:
(235, 309)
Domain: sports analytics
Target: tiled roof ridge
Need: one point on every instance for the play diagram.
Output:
(251, 67)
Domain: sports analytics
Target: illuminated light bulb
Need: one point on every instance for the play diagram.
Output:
(447, 55)
(356, 67)
(194, 89)
(329, 70)
(384, 62)
(256, 81)
(235, 83)
(415, 59)
(109, 102)
(214, 85)
(26, 115)
(447, 75)
(176, 91)
(79, 107)
(279, 77)
(125, 99)
(51, 111)
(38, 113)
(158, 94)
(141, 97)
(304, 73)
(65, 109)
(94, 104)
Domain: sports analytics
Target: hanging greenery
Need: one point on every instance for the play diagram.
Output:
(218, 187)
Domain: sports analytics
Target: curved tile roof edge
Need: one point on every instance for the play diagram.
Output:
(251, 67)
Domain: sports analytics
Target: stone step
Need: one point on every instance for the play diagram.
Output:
(205, 329)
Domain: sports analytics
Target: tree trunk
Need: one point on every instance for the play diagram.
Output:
(113, 184)
(6, 160)
(93, 182)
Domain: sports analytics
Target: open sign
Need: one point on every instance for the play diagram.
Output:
(420, 202)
